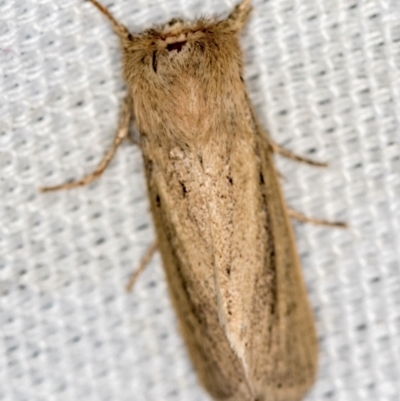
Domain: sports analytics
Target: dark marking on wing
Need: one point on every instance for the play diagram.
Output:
(261, 178)
(270, 247)
(184, 190)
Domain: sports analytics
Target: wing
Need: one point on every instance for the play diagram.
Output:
(181, 216)
(232, 268)
(269, 323)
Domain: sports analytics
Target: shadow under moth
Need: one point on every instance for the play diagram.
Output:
(222, 226)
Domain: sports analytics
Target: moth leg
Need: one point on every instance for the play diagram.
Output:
(121, 134)
(290, 155)
(300, 217)
(143, 264)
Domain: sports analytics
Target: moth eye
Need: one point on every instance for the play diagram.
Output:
(178, 46)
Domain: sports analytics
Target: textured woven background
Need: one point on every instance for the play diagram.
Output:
(324, 76)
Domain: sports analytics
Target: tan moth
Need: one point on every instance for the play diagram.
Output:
(222, 226)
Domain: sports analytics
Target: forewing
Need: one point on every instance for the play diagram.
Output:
(262, 298)
(181, 218)
(232, 268)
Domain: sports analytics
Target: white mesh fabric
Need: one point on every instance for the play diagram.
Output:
(324, 78)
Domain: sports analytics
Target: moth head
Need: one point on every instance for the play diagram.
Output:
(178, 45)
(182, 47)
(166, 50)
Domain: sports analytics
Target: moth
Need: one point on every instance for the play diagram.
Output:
(222, 226)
